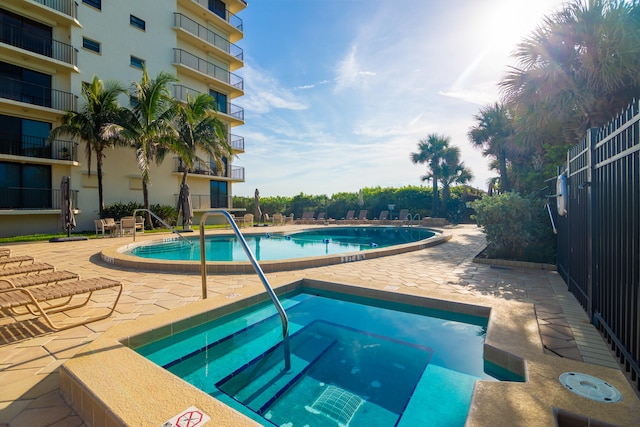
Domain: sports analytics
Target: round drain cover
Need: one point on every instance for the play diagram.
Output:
(590, 387)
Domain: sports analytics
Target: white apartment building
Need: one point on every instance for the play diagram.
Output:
(49, 48)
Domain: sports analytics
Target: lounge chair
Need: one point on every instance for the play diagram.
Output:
(35, 268)
(362, 216)
(46, 278)
(403, 216)
(12, 298)
(5, 252)
(307, 218)
(382, 217)
(349, 217)
(8, 260)
(111, 226)
(288, 219)
(321, 219)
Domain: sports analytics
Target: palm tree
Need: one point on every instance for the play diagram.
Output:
(453, 171)
(494, 133)
(147, 125)
(431, 151)
(579, 68)
(197, 129)
(100, 109)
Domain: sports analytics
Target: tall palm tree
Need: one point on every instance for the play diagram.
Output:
(494, 133)
(100, 109)
(453, 171)
(147, 126)
(431, 151)
(197, 129)
(578, 68)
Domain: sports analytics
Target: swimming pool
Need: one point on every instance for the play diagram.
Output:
(304, 250)
(373, 364)
(301, 244)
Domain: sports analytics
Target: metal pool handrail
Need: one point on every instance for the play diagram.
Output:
(412, 218)
(173, 230)
(256, 267)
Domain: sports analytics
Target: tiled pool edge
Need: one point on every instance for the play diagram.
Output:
(158, 395)
(116, 256)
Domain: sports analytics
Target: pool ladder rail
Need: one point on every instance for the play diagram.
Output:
(256, 267)
(163, 222)
(415, 217)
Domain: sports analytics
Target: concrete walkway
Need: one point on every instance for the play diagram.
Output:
(30, 354)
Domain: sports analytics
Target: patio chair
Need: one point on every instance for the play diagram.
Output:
(277, 219)
(403, 215)
(32, 299)
(307, 218)
(140, 224)
(7, 261)
(321, 219)
(127, 225)
(247, 220)
(288, 219)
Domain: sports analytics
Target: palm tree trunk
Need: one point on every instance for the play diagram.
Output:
(502, 160)
(180, 201)
(145, 197)
(99, 161)
(436, 199)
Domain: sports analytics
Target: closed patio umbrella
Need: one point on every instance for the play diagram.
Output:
(66, 206)
(187, 207)
(256, 198)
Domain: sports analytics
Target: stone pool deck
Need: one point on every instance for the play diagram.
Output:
(558, 337)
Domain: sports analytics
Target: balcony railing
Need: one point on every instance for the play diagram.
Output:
(33, 198)
(19, 90)
(180, 92)
(68, 7)
(19, 37)
(212, 70)
(204, 33)
(236, 173)
(198, 201)
(35, 146)
(236, 142)
(232, 19)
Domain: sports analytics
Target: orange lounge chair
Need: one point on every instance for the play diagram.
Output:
(12, 298)
(35, 268)
(5, 261)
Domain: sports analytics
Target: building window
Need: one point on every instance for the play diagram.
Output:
(94, 3)
(137, 22)
(137, 62)
(24, 85)
(91, 45)
(219, 194)
(24, 137)
(218, 7)
(220, 100)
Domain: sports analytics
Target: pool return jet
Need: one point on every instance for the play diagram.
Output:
(256, 267)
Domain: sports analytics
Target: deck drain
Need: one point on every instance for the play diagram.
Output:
(336, 404)
(590, 387)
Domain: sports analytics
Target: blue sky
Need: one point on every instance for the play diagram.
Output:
(338, 93)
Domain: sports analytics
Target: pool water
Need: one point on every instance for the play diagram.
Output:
(352, 364)
(268, 247)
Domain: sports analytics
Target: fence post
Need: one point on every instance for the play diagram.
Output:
(592, 282)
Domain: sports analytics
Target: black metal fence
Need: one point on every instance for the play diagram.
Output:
(599, 238)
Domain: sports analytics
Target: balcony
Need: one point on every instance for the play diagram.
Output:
(236, 142)
(198, 67)
(233, 173)
(29, 93)
(67, 7)
(62, 12)
(54, 49)
(196, 33)
(38, 147)
(33, 198)
(228, 111)
(226, 20)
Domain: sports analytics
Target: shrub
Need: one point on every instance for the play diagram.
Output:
(516, 227)
(119, 209)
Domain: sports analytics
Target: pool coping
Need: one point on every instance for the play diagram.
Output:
(116, 255)
(98, 383)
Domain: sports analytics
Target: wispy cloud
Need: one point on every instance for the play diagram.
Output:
(264, 93)
(349, 72)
